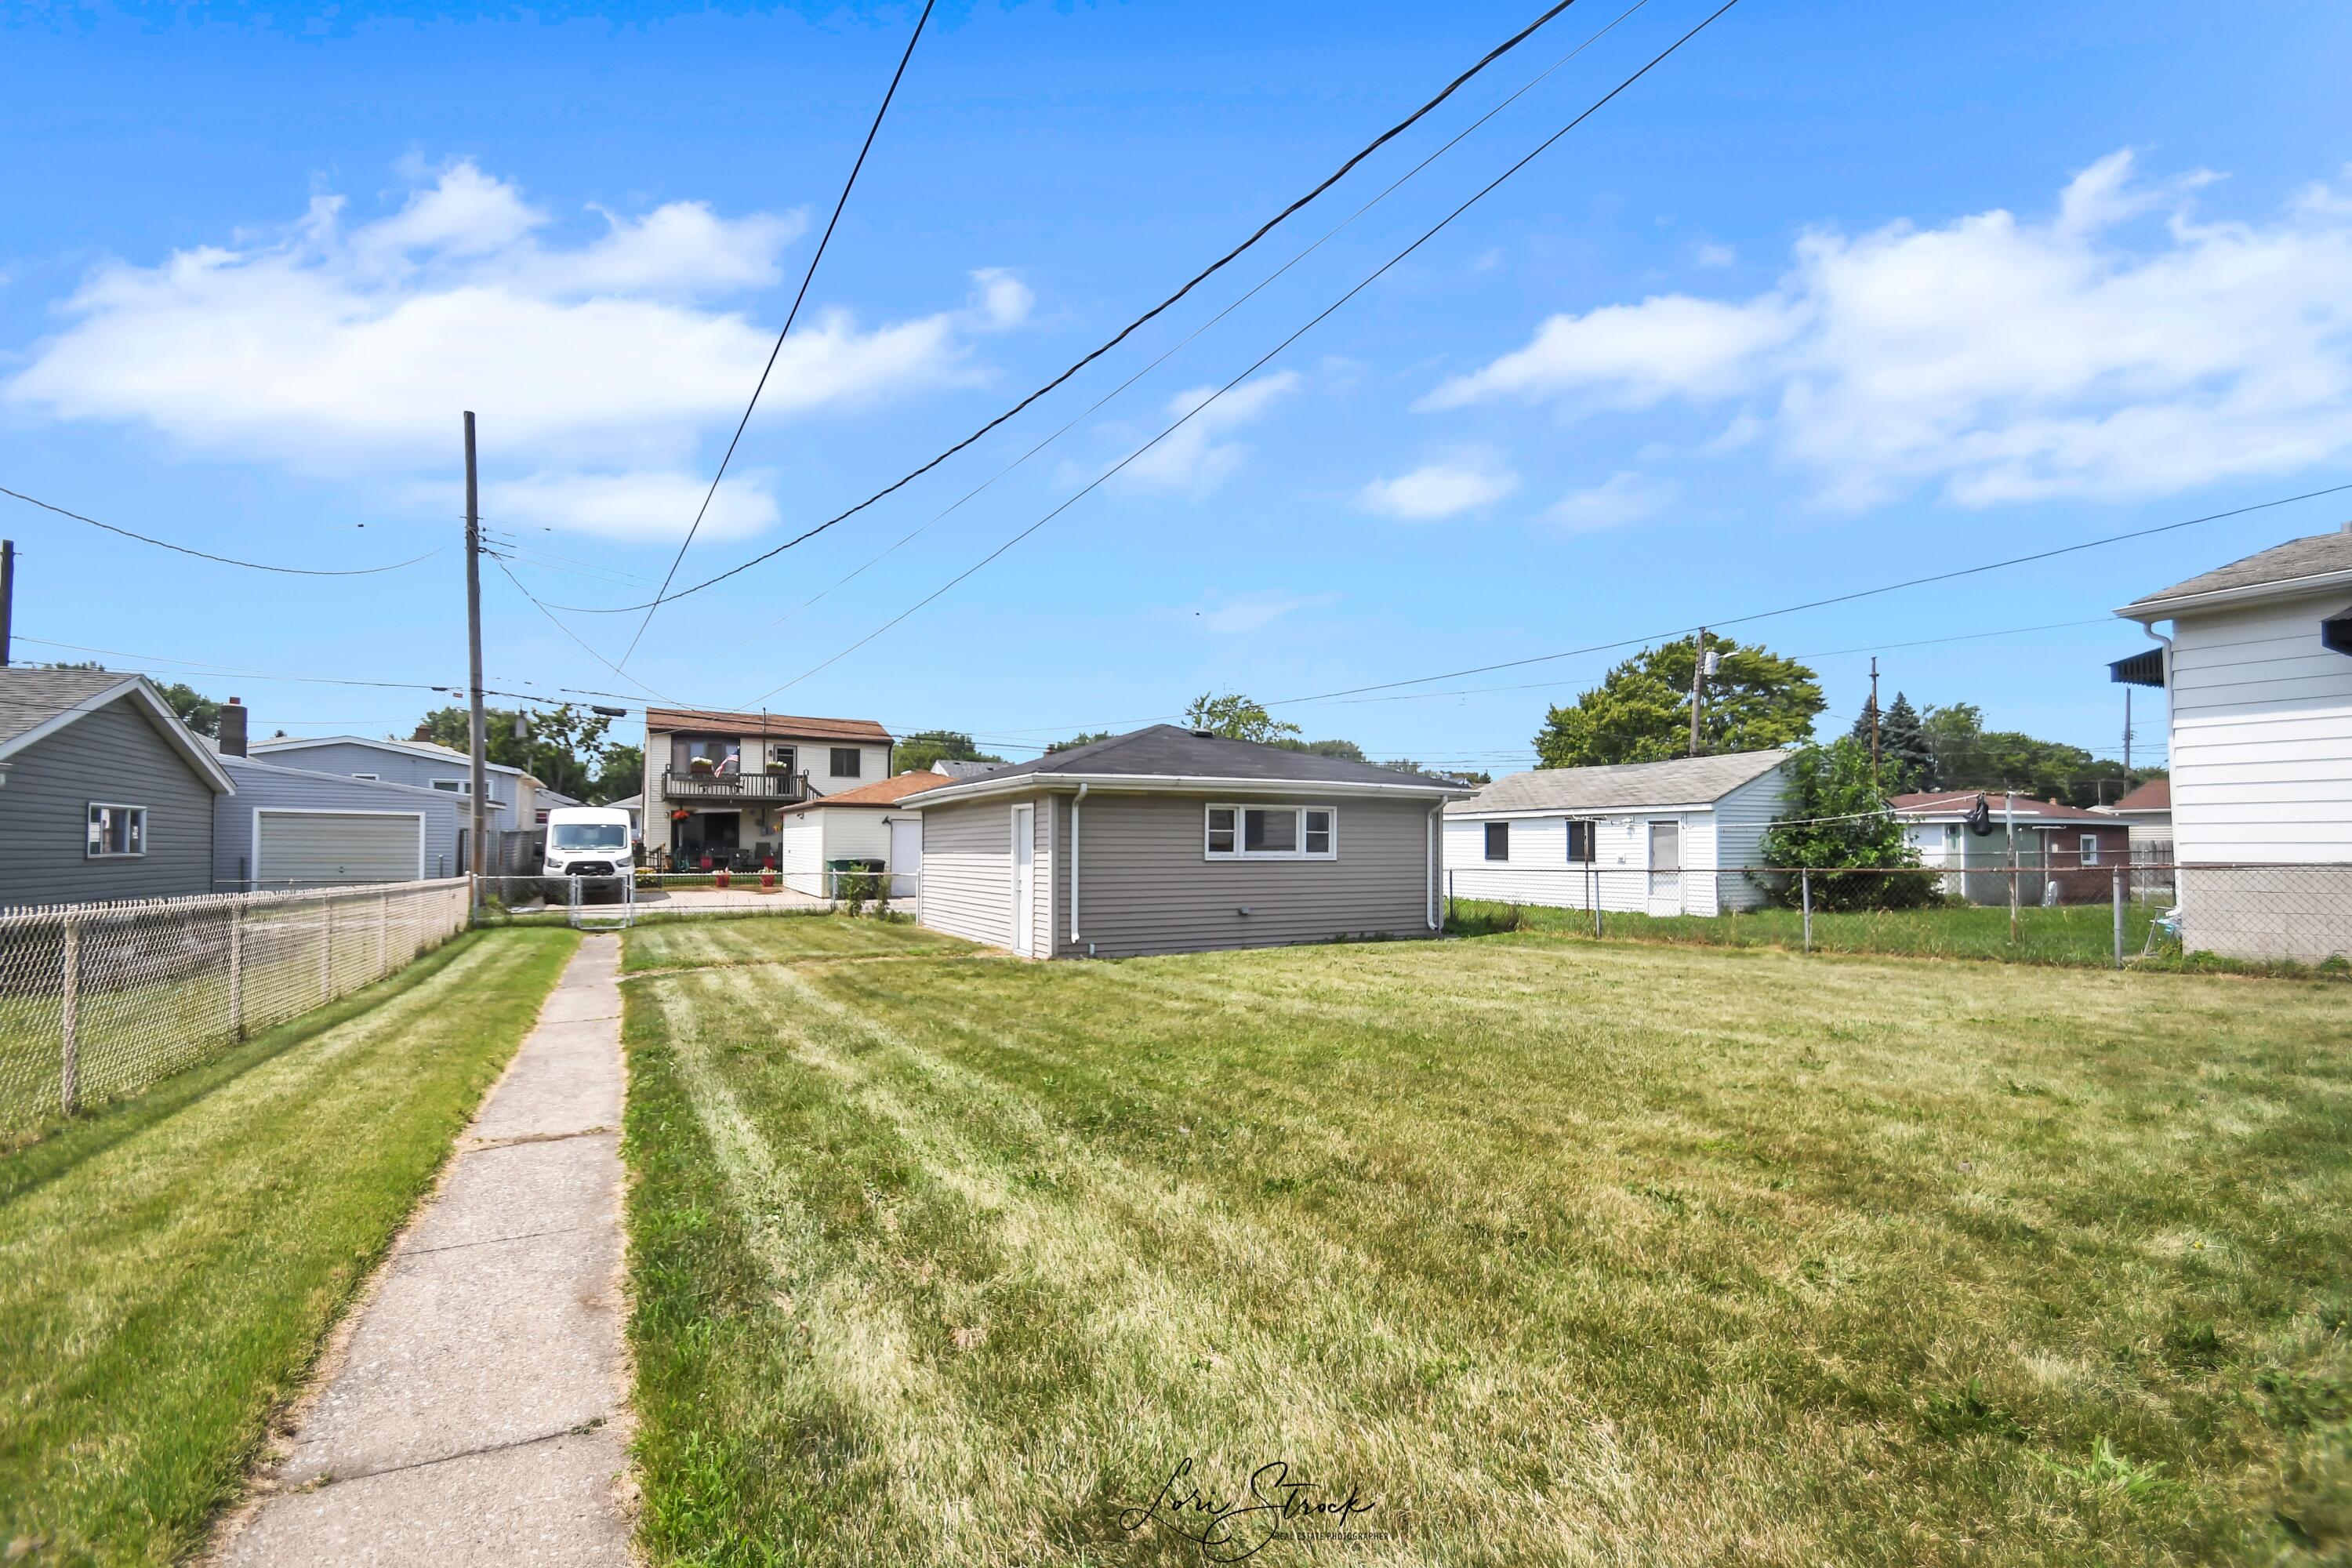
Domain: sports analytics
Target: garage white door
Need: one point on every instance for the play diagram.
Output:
(337, 846)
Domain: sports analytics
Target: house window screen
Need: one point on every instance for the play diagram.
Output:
(1579, 842)
(1498, 841)
(845, 761)
(1221, 829)
(116, 830)
(1270, 832)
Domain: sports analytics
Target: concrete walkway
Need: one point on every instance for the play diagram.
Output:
(478, 1413)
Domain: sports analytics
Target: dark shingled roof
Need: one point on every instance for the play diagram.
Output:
(29, 698)
(2316, 556)
(1171, 751)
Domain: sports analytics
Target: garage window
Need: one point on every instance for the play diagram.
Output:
(1580, 842)
(1271, 833)
(116, 831)
(1498, 841)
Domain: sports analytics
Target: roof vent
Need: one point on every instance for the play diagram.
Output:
(1204, 734)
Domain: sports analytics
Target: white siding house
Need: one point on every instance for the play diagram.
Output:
(2258, 673)
(861, 825)
(1664, 838)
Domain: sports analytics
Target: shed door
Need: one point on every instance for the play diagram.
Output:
(1665, 868)
(1025, 879)
(311, 848)
(906, 856)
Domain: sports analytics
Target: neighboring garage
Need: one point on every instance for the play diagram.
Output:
(287, 827)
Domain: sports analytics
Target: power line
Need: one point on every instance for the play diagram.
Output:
(1260, 363)
(557, 623)
(789, 316)
(223, 560)
(1491, 56)
(1818, 604)
(1182, 343)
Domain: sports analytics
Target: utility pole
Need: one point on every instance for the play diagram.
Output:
(1698, 685)
(7, 597)
(478, 743)
(1874, 720)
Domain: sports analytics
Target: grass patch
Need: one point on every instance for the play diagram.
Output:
(764, 939)
(1557, 1253)
(2073, 934)
(169, 1268)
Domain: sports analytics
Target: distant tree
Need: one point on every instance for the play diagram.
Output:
(1905, 761)
(1837, 817)
(563, 747)
(1236, 718)
(1970, 756)
(197, 711)
(1083, 738)
(1343, 751)
(1641, 711)
(622, 774)
(918, 751)
(1458, 775)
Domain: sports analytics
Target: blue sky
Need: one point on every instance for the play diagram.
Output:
(1840, 294)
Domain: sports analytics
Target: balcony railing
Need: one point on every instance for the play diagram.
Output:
(783, 788)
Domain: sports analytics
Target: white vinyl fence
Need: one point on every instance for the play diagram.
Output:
(98, 1001)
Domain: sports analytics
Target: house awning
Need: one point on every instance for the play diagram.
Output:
(2146, 669)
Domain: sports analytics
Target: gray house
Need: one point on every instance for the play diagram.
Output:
(1172, 841)
(104, 794)
(286, 828)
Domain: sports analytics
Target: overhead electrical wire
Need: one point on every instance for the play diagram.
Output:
(1262, 360)
(1488, 58)
(792, 315)
(223, 560)
(1177, 347)
(557, 621)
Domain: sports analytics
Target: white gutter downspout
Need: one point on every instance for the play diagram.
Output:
(1435, 838)
(1074, 800)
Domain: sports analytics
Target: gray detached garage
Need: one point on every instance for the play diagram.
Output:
(1174, 840)
(288, 828)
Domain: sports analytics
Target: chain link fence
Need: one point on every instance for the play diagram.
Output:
(592, 902)
(99, 1001)
(2276, 917)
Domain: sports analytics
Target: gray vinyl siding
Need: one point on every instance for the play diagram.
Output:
(115, 757)
(1145, 885)
(279, 787)
(967, 870)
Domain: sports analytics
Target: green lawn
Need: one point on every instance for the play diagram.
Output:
(168, 1267)
(2081, 934)
(1557, 1252)
(768, 939)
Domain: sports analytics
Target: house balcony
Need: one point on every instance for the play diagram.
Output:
(735, 789)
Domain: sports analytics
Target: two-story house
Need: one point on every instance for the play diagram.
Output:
(717, 784)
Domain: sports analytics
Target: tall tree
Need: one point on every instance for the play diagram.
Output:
(1083, 738)
(1236, 718)
(1342, 751)
(1641, 712)
(918, 751)
(1905, 761)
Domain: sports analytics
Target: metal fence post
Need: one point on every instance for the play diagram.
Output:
(327, 949)
(70, 1021)
(236, 971)
(2117, 877)
(1805, 894)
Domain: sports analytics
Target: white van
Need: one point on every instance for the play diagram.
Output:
(588, 841)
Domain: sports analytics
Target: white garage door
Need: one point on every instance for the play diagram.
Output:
(314, 847)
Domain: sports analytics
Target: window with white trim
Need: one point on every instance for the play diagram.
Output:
(1580, 842)
(116, 831)
(2090, 849)
(1271, 833)
(847, 761)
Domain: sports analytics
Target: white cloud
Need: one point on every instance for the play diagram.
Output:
(1626, 497)
(1197, 457)
(1713, 255)
(1441, 490)
(2093, 355)
(1256, 612)
(348, 350)
(643, 505)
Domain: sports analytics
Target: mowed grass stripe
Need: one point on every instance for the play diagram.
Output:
(774, 938)
(169, 1268)
(1576, 1256)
